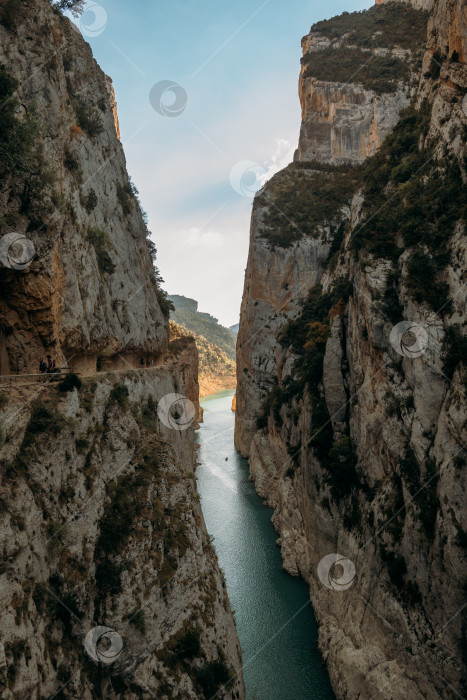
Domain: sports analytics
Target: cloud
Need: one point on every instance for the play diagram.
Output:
(279, 160)
(206, 239)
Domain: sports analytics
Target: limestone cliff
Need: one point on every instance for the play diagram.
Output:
(216, 370)
(353, 423)
(109, 584)
(356, 77)
(89, 291)
(101, 526)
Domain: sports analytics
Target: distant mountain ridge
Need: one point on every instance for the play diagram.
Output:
(201, 323)
(215, 344)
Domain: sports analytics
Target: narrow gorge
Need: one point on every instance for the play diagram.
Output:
(351, 384)
(119, 428)
(109, 583)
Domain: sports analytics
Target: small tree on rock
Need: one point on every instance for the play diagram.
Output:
(76, 7)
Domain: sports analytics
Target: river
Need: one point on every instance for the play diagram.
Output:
(275, 621)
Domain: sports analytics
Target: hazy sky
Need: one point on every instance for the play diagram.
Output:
(199, 151)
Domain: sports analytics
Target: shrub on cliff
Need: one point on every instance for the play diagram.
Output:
(100, 239)
(71, 381)
(341, 467)
(43, 421)
(11, 13)
(88, 118)
(414, 200)
(125, 197)
(349, 64)
(454, 350)
(301, 201)
(212, 676)
(119, 395)
(382, 25)
(76, 7)
(18, 137)
(164, 302)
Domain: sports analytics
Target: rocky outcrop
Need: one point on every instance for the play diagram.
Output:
(101, 527)
(88, 290)
(347, 119)
(275, 281)
(216, 370)
(355, 425)
(109, 583)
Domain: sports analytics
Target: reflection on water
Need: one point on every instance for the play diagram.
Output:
(275, 621)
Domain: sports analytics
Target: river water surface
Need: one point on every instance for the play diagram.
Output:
(275, 621)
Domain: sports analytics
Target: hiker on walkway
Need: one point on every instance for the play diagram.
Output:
(42, 365)
(50, 365)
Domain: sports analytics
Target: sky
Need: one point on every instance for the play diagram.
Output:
(207, 99)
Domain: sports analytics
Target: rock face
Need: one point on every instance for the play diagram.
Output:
(346, 120)
(354, 425)
(88, 291)
(101, 526)
(109, 584)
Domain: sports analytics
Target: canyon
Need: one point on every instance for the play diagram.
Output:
(109, 583)
(214, 342)
(350, 402)
(350, 372)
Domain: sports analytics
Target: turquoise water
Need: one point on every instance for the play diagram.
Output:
(275, 621)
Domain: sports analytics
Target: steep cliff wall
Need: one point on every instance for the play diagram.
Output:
(109, 584)
(358, 71)
(359, 442)
(64, 186)
(101, 526)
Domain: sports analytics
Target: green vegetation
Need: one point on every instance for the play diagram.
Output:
(43, 421)
(397, 568)
(90, 203)
(410, 471)
(409, 195)
(163, 299)
(71, 163)
(423, 285)
(127, 504)
(212, 360)
(71, 381)
(188, 646)
(454, 351)
(182, 647)
(307, 336)
(101, 241)
(201, 324)
(352, 65)
(88, 118)
(425, 489)
(19, 153)
(341, 467)
(126, 194)
(119, 395)
(302, 198)
(11, 13)
(383, 25)
(125, 197)
(212, 677)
